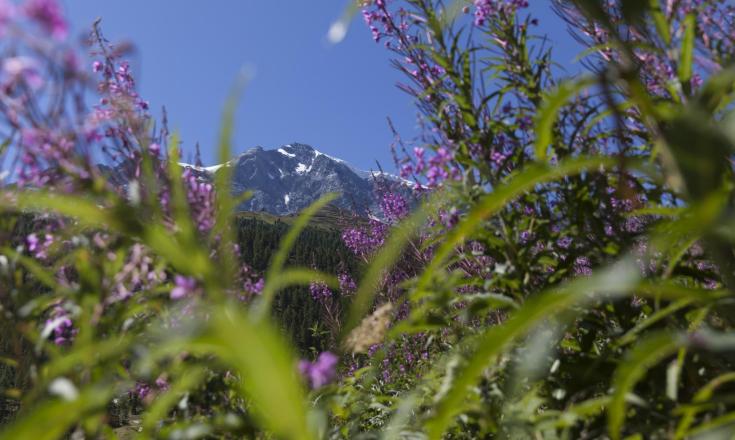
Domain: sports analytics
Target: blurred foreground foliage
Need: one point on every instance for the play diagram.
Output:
(567, 272)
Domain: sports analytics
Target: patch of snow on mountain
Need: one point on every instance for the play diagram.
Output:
(286, 199)
(318, 153)
(213, 168)
(302, 169)
(286, 153)
(210, 169)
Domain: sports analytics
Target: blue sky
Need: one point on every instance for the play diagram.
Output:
(334, 97)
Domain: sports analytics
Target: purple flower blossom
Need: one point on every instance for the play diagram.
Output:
(22, 69)
(498, 158)
(255, 288)
(319, 291)
(487, 8)
(38, 248)
(347, 284)
(184, 286)
(564, 242)
(365, 240)
(394, 206)
(526, 236)
(7, 14)
(201, 197)
(141, 390)
(449, 218)
(48, 15)
(162, 383)
(320, 372)
(525, 123)
(582, 266)
(61, 327)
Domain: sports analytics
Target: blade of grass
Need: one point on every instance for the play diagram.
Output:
(275, 268)
(491, 203)
(386, 257)
(162, 405)
(616, 280)
(552, 103)
(638, 361)
(267, 368)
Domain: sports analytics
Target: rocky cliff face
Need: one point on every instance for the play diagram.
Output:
(288, 179)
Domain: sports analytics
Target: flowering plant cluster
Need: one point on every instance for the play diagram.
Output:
(561, 265)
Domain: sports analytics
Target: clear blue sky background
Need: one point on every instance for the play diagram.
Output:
(334, 97)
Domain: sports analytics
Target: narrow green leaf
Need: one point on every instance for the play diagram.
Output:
(617, 280)
(225, 202)
(179, 205)
(41, 273)
(704, 394)
(301, 276)
(659, 20)
(267, 368)
(552, 103)
(713, 425)
(491, 203)
(276, 265)
(657, 316)
(638, 361)
(52, 419)
(686, 56)
(386, 257)
(160, 408)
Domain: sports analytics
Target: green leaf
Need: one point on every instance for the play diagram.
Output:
(41, 273)
(686, 56)
(659, 20)
(225, 203)
(715, 424)
(657, 316)
(716, 93)
(637, 362)
(552, 103)
(179, 205)
(614, 281)
(160, 408)
(53, 418)
(276, 265)
(300, 276)
(491, 203)
(87, 211)
(703, 395)
(267, 368)
(386, 257)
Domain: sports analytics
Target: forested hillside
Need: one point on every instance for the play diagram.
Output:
(320, 247)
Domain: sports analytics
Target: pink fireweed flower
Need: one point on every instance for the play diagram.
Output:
(183, 287)
(37, 246)
(142, 390)
(319, 291)
(59, 327)
(256, 288)
(7, 14)
(22, 69)
(394, 206)
(487, 8)
(347, 284)
(320, 372)
(48, 15)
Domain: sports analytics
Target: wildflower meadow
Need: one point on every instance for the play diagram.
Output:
(556, 259)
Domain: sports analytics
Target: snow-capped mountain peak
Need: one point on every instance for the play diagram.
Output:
(287, 179)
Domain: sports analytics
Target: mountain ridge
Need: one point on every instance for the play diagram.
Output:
(287, 179)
